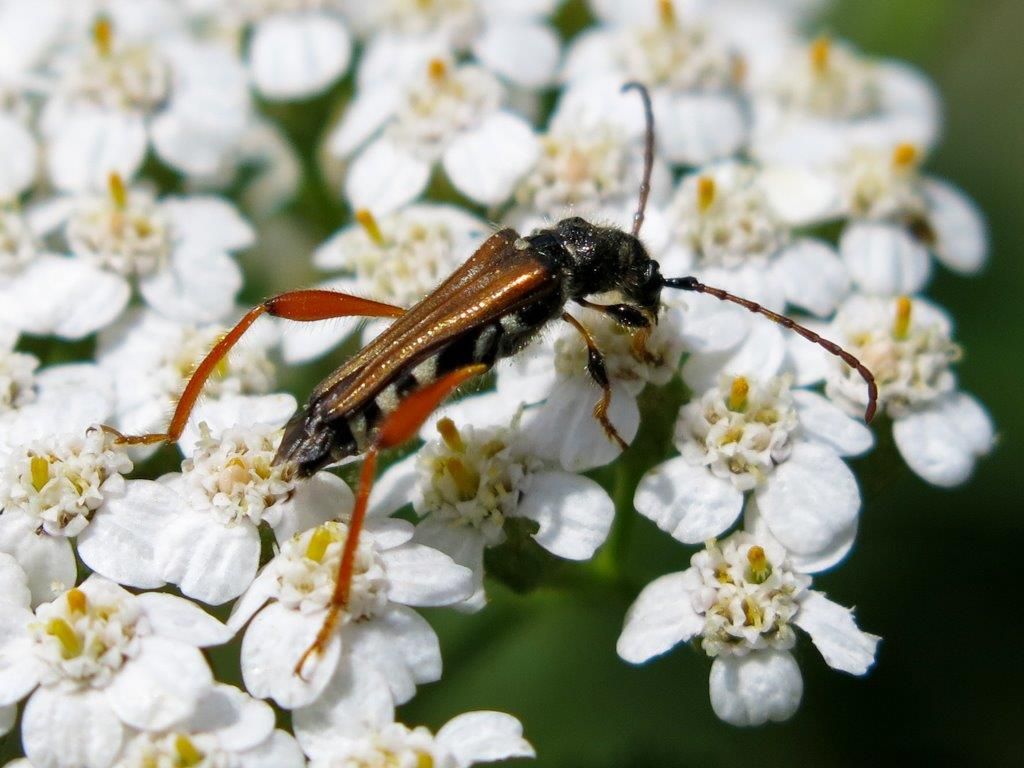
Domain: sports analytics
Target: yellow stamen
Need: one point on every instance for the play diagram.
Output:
(188, 754)
(752, 613)
(667, 12)
(103, 35)
(76, 600)
(118, 191)
(760, 568)
(318, 543)
(424, 760)
(466, 480)
(437, 70)
(39, 468)
(821, 53)
(738, 393)
(70, 643)
(369, 224)
(905, 156)
(450, 434)
(901, 326)
(706, 191)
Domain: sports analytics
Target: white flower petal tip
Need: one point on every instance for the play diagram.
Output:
(757, 688)
(883, 258)
(385, 177)
(574, 513)
(687, 501)
(835, 633)
(961, 238)
(661, 617)
(481, 173)
(298, 55)
(484, 737)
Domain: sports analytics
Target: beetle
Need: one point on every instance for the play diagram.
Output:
(488, 309)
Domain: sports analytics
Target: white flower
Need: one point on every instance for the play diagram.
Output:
(906, 343)
(728, 232)
(897, 216)
(448, 114)
(554, 371)
(826, 98)
(693, 77)
(97, 660)
(473, 480)
(54, 488)
(290, 598)
(755, 434)
(128, 85)
(360, 730)
(397, 260)
(229, 728)
(297, 48)
(743, 597)
(150, 357)
(509, 37)
(178, 250)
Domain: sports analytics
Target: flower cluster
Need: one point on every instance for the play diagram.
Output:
(146, 149)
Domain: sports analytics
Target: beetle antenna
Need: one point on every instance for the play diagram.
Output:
(693, 284)
(645, 184)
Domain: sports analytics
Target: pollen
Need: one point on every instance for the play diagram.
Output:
(667, 12)
(188, 754)
(103, 35)
(318, 543)
(437, 70)
(450, 434)
(369, 224)
(738, 393)
(901, 325)
(905, 156)
(118, 191)
(70, 642)
(706, 193)
(760, 568)
(77, 601)
(821, 54)
(39, 468)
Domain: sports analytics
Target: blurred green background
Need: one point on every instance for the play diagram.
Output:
(931, 568)
(933, 571)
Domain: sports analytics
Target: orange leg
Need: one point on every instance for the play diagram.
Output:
(302, 306)
(596, 369)
(398, 427)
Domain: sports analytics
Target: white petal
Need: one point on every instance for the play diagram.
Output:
(363, 117)
(483, 737)
(228, 412)
(178, 619)
(70, 728)
(65, 297)
(400, 644)
(523, 52)
(835, 634)
(199, 284)
(941, 443)
(385, 176)
(810, 499)
(661, 617)
(209, 561)
(8, 715)
(711, 326)
(574, 513)
(48, 561)
(884, 259)
(813, 562)
(90, 144)
(18, 160)
(814, 276)
(761, 354)
(800, 196)
(394, 489)
(279, 750)
(961, 239)
(356, 702)
(309, 341)
(701, 127)
(484, 175)
(13, 582)
(20, 668)
(296, 55)
(237, 719)
(421, 576)
(272, 646)
(321, 498)
(262, 589)
(160, 686)
(490, 409)
(753, 689)
(463, 544)
(687, 501)
(210, 221)
(825, 422)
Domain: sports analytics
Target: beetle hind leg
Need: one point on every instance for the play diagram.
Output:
(598, 372)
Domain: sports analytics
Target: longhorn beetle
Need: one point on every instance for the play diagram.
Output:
(488, 309)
